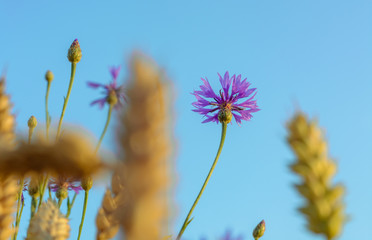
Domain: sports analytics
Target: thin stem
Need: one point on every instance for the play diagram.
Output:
(30, 132)
(187, 220)
(105, 128)
(33, 206)
(45, 183)
(19, 213)
(47, 118)
(69, 207)
(84, 210)
(73, 69)
(59, 202)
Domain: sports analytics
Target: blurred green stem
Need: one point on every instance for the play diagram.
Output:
(47, 118)
(111, 106)
(73, 70)
(84, 210)
(105, 128)
(187, 220)
(70, 205)
(19, 210)
(44, 184)
(33, 206)
(59, 202)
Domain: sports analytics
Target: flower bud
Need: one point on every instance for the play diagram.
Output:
(225, 116)
(49, 76)
(62, 193)
(33, 188)
(112, 99)
(32, 122)
(259, 230)
(74, 52)
(86, 183)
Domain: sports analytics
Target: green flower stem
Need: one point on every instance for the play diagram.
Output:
(105, 128)
(187, 220)
(44, 184)
(111, 106)
(19, 213)
(60, 202)
(33, 206)
(70, 205)
(73, 70)
(47, 117)
(84, 210)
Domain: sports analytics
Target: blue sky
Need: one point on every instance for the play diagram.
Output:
(313, 55)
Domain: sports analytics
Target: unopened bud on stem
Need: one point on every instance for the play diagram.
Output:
(259, 230)
(49, 76)
(74, 52)
(32, 122)
(86, 183)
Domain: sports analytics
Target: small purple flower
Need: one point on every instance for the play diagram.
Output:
(109, 89)
(63, 182)
(226, 102)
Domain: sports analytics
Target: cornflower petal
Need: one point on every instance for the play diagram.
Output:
(115, 72)
(100, 102)
(94, 85)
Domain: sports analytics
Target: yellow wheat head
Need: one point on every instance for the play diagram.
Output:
(72, 155)
(107, 220)
(48, 224)
(324, 208)
(7, 122)
(8, 195)
(146, 144)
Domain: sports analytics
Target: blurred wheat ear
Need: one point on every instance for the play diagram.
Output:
(324, 208)
(7, 121)
(146, 142)
(8, 195)
(107, 220)
(8, 186)
(48, 223)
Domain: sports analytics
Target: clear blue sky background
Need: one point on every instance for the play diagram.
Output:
(314, 55)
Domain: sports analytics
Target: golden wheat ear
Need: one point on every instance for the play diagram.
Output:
(7, 121)
(48, 223)
(146, 144)
(324, 208)
(8, 196)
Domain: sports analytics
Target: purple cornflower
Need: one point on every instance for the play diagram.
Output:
(110, 90)
(69, 184)
(223, 106)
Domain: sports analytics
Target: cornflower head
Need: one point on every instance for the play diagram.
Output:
(113, 93)
(61, 185)
(223, 106)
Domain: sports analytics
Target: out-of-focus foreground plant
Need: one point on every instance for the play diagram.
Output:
(324, 208)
